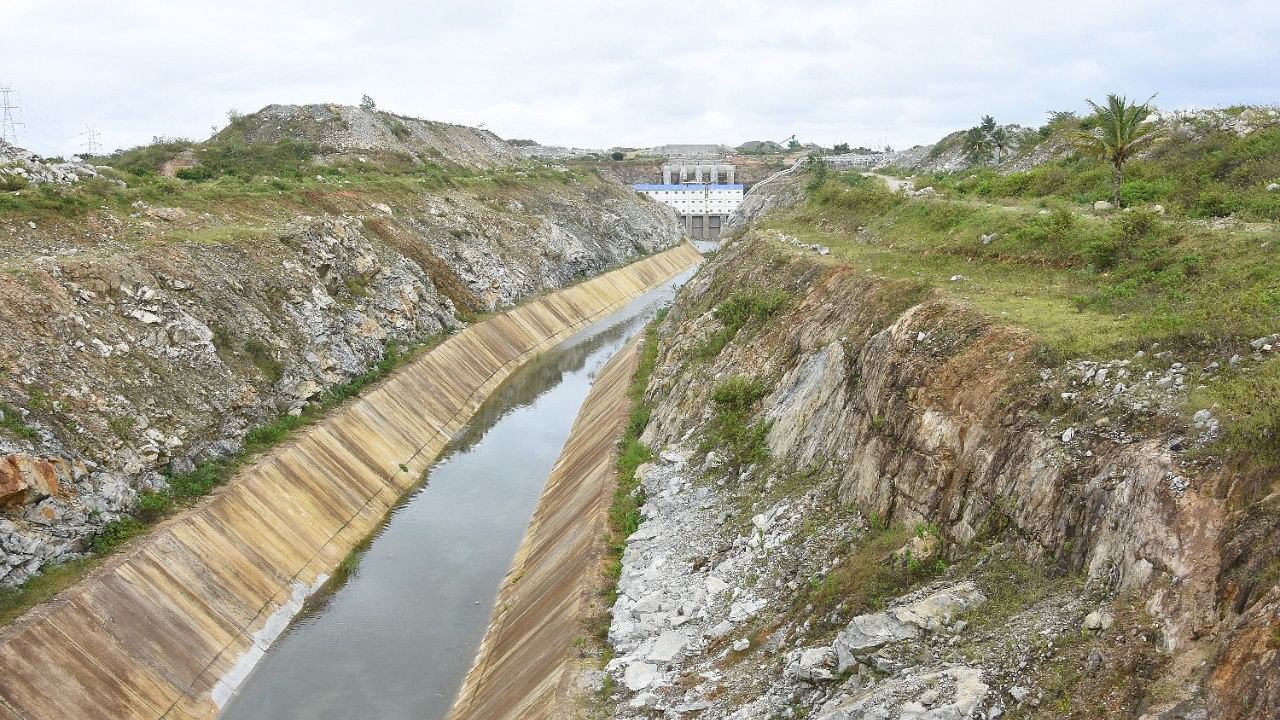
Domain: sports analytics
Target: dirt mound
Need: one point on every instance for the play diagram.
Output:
(344, 128)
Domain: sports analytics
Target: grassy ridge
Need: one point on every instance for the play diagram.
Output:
(231, 170)
(1215, 175)
(1086, 284)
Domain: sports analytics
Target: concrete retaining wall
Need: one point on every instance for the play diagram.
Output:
(525, 667)
(169, 627)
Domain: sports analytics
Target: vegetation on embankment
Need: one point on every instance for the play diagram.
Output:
(185, 489)
(1087, 285)
(234, 174)
(1215, 174)
(628, 496)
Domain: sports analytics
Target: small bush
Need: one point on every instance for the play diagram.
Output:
(735, 400)
(735, 312)
(114, 534)
(12, 422)
(264, 359)
(12, 183)
(195, 173)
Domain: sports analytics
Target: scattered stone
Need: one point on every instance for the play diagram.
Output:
(741, 645)
(1098, 620)
(639, 676)
(166, 214)
(1103, 205)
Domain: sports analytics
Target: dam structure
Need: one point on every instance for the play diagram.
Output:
(173, 625)
(703, 203)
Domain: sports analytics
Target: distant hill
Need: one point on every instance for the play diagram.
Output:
(346, 128)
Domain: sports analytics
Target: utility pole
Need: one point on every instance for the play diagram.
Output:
(92, 141)
(10, 111)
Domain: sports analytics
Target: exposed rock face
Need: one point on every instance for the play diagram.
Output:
(133, 358)
(777, 194)
(923, 411)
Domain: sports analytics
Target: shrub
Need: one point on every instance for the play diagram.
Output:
(264, 359)
(196, 173)
(12, 183)
(116, 533)
(735, 312)
(400, 130)
(744, 442)
(146, 159)
(12, 421)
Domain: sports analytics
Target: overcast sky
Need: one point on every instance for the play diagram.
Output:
(595, 74)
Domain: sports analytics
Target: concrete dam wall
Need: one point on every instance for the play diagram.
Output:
(169, 628)
(525, 666)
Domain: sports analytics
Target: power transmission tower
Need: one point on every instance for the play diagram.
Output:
(10, 111)
(92, 141)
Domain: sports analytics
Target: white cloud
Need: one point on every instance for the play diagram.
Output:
(601, 73)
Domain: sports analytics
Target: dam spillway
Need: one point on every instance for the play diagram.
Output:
(169, 627)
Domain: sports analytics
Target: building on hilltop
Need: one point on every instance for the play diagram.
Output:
(691, 151)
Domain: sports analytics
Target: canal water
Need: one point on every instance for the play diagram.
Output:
(396, 639)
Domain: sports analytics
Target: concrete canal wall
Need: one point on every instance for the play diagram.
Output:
(526, 662)
(169, 627)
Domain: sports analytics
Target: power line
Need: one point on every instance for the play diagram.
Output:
(92, 141)
(10, 111)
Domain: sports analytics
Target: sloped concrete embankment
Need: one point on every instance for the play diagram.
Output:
(525, 666)
(170, 627)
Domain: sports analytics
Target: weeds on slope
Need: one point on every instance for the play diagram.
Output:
(734, 313)
(1086, 286)
(185, 488)
(628, 496)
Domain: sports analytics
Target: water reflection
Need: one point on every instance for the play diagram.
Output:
(396, 639)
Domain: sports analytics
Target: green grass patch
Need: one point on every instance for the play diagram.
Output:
(735, 312)
(628, 496)
(731, 428)
(866, 579)
(43, 587)
(1245, 404)
(1084, 285)
(12, 421)
(265, 360)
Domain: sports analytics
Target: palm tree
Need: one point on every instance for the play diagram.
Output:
(1000, 139)
(1123, 130)
(977, 145)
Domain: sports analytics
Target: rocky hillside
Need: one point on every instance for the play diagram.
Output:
(1030, 147)
(346, 129)
(152, 328)
(871, 500)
